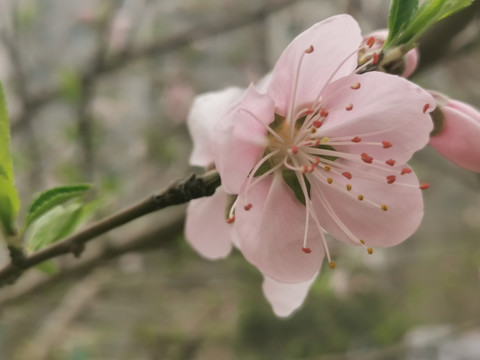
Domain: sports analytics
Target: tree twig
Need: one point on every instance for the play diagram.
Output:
(177, 193)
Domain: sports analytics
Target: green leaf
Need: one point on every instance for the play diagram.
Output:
(401, 12)
(52, 198)
(291, 180)
(9, 201)
(48, 267)
(56, 224)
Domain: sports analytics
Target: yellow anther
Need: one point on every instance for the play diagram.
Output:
(332, 264)
(360, 197)
(330, 180)
(325, 139)
(384, 207)
(313, 130)
(349, 187)
(362, 242)
(370, 251)
(327, 168)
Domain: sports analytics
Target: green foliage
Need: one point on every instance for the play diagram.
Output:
(406, 23)
(9, 201)
(58, 223)
(48, 267)
(290, 178)
(52, 198)
(70, 84)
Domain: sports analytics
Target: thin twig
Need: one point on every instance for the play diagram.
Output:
(178, 193)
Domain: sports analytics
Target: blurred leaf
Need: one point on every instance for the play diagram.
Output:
(58, 223)
(48, 267)
(52, 198)
(70, 84)
(401, 12)
(9, 201)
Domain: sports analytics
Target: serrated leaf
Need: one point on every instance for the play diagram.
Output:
(52, 198)
(9, 201)
(54, 225)
(401, 12)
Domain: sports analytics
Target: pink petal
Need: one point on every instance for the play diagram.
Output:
(270, 234)
(384, 108)
(458, 140)
(239, 140)
(206, 229)
(333, 40)
(206, 112)
(342, 214)
(285, 298)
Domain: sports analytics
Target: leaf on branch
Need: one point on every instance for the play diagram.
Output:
(401, 12)
(52, 198)
(58, 223)
(9, 201)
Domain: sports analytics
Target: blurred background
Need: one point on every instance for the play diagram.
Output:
(98, 91)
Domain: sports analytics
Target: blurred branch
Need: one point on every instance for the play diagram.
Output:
(181, 191)
(154, 238)
(160, 47)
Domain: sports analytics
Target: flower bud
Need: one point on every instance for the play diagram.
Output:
(457, 132)
(373, 43)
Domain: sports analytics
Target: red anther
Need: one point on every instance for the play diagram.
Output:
(311, 168)
(424, 186)
(347, 175)
(294, 149)
(356, 139)
(310, 49)
(425, 108)
(390, 162)
(304, 169)
(355, 86)
(370, 41)
(374, 58)
(386, 144)
(405, 171)
(309, 111)
(391, 179)
(366, 158)
(247, 207)
(306, 250)
(231, 219)
(349, 107)
(317, 123)
(323, 113)
(316, 161)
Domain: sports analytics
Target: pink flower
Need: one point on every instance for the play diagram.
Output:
(318, 148)
(372, 45)
(458, 134)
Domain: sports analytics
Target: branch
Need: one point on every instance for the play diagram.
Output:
(159, 47)
(179, 192)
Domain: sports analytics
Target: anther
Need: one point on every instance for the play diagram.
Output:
(391, 179)
(306, 250)
(347, 175)
(425, 108)
(317, 123)
(370, 250)
(325, 139)
(327, 168)
(247, 207)
(360, 197)
(386, 144)
(424, 186)
(349, 187)
(313, 131)
(384, 207)
(355, 86)
(390, 162)
(309, 50)
(356, 139)
(405, 171)
(362, 241)
(349, 107)
(330, 180)
(294, 149)
(323, 113)
(304, 169)
(370, 41)
(316, 160)
(332, 264)
(231, 219)
(374, 58)
(366, 158)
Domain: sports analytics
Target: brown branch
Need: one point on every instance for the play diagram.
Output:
(159, 47)
(178, 193)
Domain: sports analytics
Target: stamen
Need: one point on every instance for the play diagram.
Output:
(317, 123)
(391, 179)
(360, 197)
(349, 107)
(248, 207)
(294, 149)
(425, 108)
(374, 58)
(370, 250)
(355, 86)
(347, 175)
(370, 41)
(309, 50)
(349, 187)
(231, 219)
(327, 168)
(424, 186)
(405, 171)
(384, 207)
(390, 162)
(306, 250)
(332, 264)
(386, 144)
(356, 139)
(366, 158)
(329, 180)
